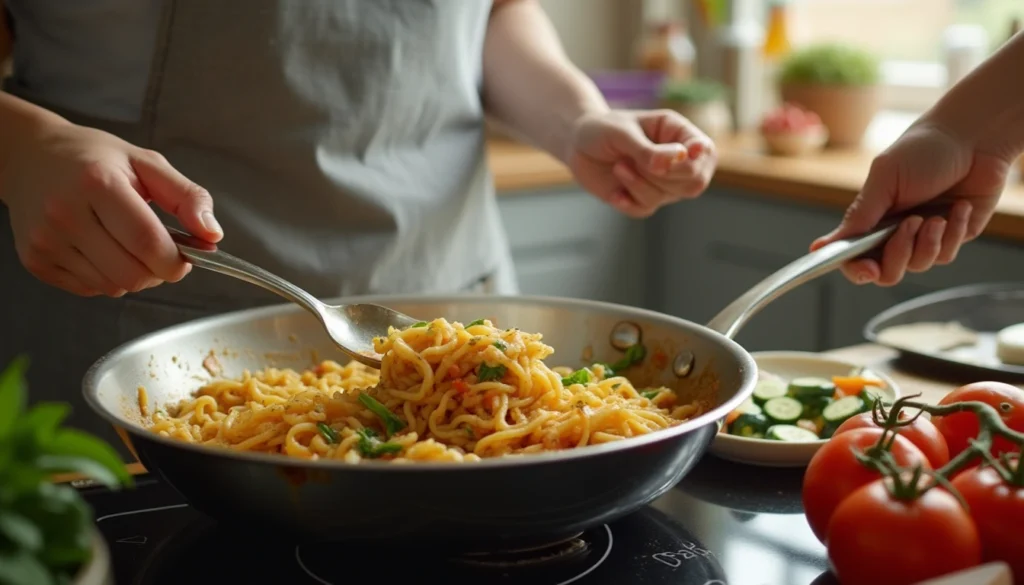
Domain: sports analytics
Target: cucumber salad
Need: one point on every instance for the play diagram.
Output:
(803, 409)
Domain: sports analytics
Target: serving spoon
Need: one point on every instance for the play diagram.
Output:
(351, 327)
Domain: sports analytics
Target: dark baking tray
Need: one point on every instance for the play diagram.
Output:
(984, 308)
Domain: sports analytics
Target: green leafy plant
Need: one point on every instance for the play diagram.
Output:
(45, 528)
(696, 91)
(830, 64)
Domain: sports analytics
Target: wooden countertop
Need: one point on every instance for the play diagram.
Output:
(829, 179)
(879, 358)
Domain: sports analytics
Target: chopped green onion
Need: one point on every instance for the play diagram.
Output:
(580, 376)
(488, 373)
(634, 355)
(329, 434)
(370, 446)
(392, 423)
(475, 323)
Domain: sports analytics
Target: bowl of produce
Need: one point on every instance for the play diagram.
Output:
(790, 130)
(800, 399)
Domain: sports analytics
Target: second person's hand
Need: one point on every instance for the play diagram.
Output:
(78, 203)
(638, 162)
(925, 164)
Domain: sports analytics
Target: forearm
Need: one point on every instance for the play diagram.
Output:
(19, 121)
(530, 85)
(987, 107)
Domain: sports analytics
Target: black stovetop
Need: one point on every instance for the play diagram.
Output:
(724, 524)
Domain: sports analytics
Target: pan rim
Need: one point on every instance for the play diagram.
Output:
(747, 367)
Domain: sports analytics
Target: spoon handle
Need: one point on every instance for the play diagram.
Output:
(206, 255)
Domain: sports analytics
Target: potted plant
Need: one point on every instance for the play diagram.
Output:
(700, 101)
(47, 535)
(837, 82)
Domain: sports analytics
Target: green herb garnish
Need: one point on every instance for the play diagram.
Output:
(500, 345)
(371, 446)
(475, 323)
(419, 324)
(488, 373)
(328, 433)
(634, 355)
(580, 376)
(650, 394)
(469, 431)
(392, 423)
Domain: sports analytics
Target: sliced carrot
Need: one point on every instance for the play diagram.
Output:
(853, 384)
(732, 416)
(460, 386)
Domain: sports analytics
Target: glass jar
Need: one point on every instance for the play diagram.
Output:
(668, 49)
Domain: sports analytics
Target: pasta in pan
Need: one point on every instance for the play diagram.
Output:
(445, 392)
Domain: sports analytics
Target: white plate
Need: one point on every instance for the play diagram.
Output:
(789, 365)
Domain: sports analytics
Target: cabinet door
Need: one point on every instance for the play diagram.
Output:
(724, 243)
(566, 243)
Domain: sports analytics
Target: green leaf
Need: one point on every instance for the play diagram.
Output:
(328, 433)
(87, 467)
(634, 355)
(77, 444)
(500, 345)
(20, 478)
(21, 568)
(475, 323)
(488, 373)
(392, 423)
(41, 422)
(419, 324)
(650, 394)
(21, 531)
(12, 394)
(580, 376)
(370, 446)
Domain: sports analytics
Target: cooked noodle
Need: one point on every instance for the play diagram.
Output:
(444, 392)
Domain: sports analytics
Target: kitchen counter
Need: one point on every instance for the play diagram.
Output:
(830, 179)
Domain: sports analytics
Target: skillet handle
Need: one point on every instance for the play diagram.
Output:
(818, 263)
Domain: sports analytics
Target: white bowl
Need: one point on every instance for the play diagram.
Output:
(789, 365)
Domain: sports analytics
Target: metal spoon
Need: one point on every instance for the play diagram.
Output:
(351, 327)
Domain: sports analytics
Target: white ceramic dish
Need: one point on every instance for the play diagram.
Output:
(789, 365)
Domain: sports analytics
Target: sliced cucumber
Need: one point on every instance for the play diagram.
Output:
(753, 425)
(748, 407)
(870, 394)
(783, 410)
(811, 388)
(790, 434)
(840, 410)
(768, 389)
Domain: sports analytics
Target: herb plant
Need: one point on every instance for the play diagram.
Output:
(830, 64)
(45, 528)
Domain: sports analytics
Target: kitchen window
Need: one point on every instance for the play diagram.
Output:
(908, 35)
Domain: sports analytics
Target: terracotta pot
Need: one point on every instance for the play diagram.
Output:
(98, 570)
(845, 110)
(713, 117)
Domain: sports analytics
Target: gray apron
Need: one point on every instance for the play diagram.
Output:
(342, 141)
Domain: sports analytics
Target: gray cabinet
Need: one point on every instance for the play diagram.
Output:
(567, 243)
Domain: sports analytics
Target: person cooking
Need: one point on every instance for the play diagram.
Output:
(337, 143)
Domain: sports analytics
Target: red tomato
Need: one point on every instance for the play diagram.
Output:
(922, 433)
(998, 512)
(878, 540)
(834, 473)
(961, 426)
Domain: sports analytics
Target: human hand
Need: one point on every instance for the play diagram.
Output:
(78, 202)
(927, 163)
(639, 161)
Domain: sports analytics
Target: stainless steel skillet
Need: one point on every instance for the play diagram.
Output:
(507, 502)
